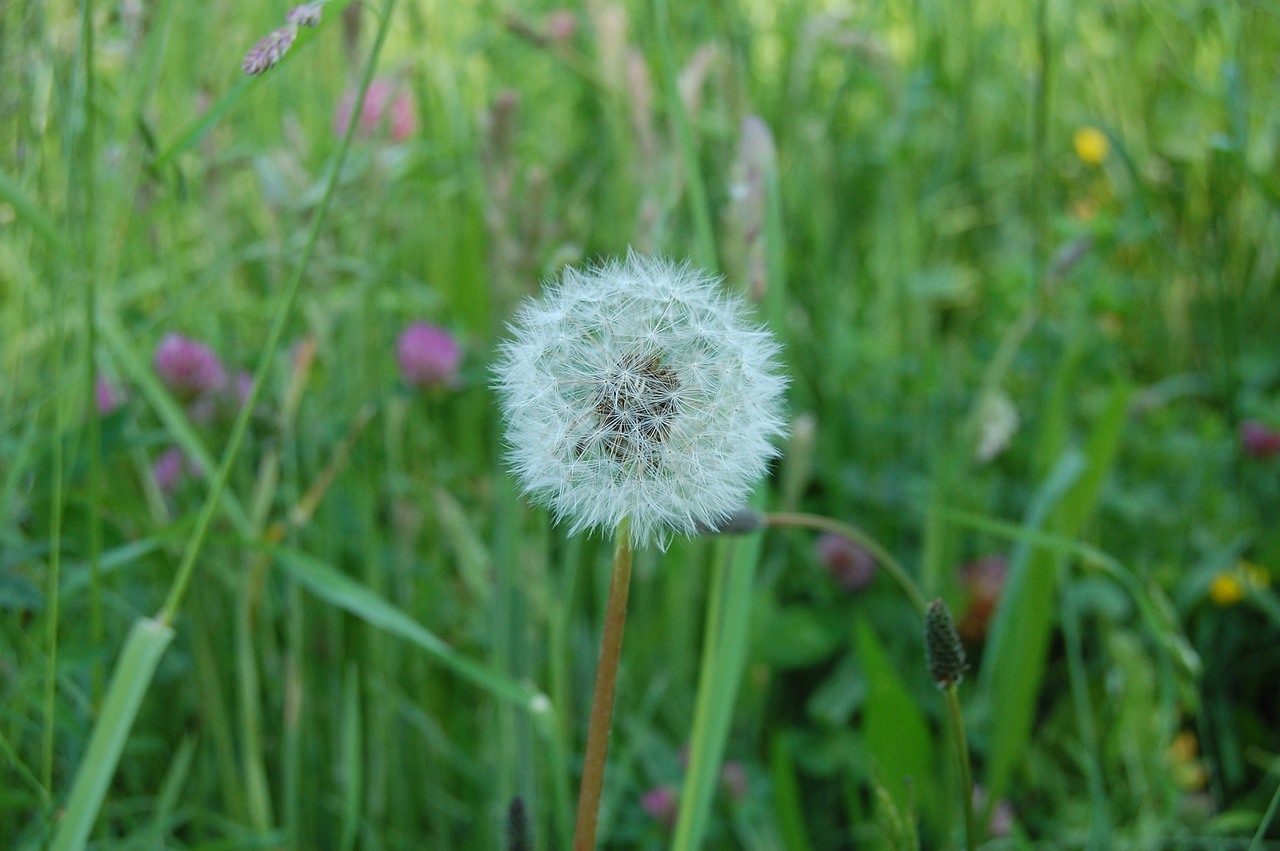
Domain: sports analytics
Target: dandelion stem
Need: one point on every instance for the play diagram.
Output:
(882, 556)
(615, 618)
(956, 721)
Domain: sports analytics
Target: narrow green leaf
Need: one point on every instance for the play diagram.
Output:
(337, 588)
(723, 660)
(142, 651)
(28, 210)
(352, 764)
(896, 734)
(170, 791)
(787, 808)
(1013, 663)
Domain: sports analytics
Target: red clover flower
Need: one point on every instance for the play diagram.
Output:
(190, 369)
(429, 356)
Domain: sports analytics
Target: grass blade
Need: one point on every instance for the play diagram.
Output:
(342, 591)
(29, 211)
(723, 663)
(142, 651)
(895, 730)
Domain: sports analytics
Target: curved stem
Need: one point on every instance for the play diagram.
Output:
(615, 618)
(882, 556)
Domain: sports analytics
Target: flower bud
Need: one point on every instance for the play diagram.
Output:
(942, 646)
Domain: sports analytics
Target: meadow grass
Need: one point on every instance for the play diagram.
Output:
(1022, 259)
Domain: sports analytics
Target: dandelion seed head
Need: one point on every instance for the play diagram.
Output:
(639, 390)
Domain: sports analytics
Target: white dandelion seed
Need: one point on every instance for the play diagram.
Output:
(639, 390)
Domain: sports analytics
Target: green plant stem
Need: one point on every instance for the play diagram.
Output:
(615, 618)
(956, 721)
(882, 556)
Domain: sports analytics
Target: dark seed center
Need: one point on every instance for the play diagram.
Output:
(635, 406)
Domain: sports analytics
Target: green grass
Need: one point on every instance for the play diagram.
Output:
(352, 632)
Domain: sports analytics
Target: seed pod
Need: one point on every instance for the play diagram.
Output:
(942, 646)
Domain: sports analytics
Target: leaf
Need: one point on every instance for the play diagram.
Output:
(337, 588)
(142, 651)
(894, 729)
(1014, 660)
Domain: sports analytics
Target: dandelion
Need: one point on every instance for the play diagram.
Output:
(640, 399)
(429, 356)
(1091, 145)
(189, 368)
(637, 390)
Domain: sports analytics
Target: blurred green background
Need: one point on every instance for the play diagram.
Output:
(1023, 260)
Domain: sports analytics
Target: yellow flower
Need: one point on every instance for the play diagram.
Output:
(1229, 586)
(1226, 589)
(1188, 771)
(1091, 145)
